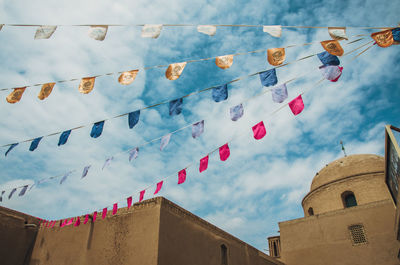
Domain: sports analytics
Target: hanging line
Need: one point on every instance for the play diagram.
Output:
(166, 65)
(160, 103)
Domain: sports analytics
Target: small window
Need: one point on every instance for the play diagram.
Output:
(349, 199)
(357, 234)
(310, 211)
(224, 255)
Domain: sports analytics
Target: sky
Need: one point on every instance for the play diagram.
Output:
(263, 181)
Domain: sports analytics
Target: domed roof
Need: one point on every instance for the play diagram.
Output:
(346, 167)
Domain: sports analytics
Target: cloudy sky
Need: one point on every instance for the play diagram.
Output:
(263, 181)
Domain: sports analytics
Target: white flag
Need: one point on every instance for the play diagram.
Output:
(98, 32)
(337, 33)
(165, 141)
(151, 31)
(274, 31)
(207, 29)
(44, 32)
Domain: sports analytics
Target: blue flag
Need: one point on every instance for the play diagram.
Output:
(11, 193)
(328, 59)
(97, 129)
(175, 107)
(269, 78)
(64, 137)
(133, 118)
(220, 93)
(10, 148)
(396, 34)
(35, 143)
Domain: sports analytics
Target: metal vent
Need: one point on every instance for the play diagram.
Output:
(357, 234)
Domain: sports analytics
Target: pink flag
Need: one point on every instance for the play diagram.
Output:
(203, 164)
(115, 208)
(71, 221)
(142, 195)
(53, 224)
(182, 176)
(296, 105)
(159, 186)
(103, 215)
(224, 152)
(129, 201)
(78, 221)
(86, 219)
(94, 216)
(259, 130)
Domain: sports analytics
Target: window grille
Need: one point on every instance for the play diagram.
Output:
(357, 234)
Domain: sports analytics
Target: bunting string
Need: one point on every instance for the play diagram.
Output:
(12, 145)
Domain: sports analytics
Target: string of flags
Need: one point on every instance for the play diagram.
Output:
(296, 106)
(219, 93)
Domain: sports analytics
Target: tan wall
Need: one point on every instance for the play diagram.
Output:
(366, 188)
(325, 239)
(130, 237)
(186, 239)
(17, 236)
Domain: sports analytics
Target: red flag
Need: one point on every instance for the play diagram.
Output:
(71, 221)
(86, 219)
(103, 215)
(182, 176)
(78, 221)
(296, 105)
(142, 195)
(52, 225)
(94, 216)
(224, 152)
(259, 130)
(203, 164)
(129, 201)
(159, 186)
(115, 208)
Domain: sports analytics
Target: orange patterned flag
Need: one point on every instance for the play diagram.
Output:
(333, 47)
(15, 95)
(224, 62)
(126, 78)
(276, 56)
(86, 85)
(337, 33)
(175, 70)
(46, 90)
(383, 38)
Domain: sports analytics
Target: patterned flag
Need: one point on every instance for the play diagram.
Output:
(126, 78)
(151, 31)
(64, 137)
(220, 93)
(11, 193)
(331, 72)
(133, 118)
(133, 153)
(85, 171)
(274, 31)
(207, 29)
(224, 62)
(181, 176)
(107, 162)
(44, 32)
(279, 93)
(268, 78)
(141, 195)
(259, 130)
(104, 214)
(64, 178)
(46, 90)
(224, 152)
(10, 148)
(328, 59)
(86, 219)
(164, 141)
(22, 192)
(197, 129)
(98, 32)
(86, 85)
(115, 208)
(337, 33)
(129, 202)
(296, 105)
(78, 221)
(175, 107)
(158, 188)
(175, 70)
(35, 144)
(276, 56)
(333, 47)
(97, 129)
(15, 95)
(203, 164)
(383, 38)
(236, 112)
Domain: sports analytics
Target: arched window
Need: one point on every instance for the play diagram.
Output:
(349, 199)
(310, 211)
(224, 255)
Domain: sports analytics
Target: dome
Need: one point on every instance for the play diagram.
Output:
(346, 167)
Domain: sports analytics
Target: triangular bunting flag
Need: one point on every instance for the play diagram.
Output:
(328, 59)
(333, 47)
(98, 32)
(224, 152)
(35, 144)
(276, 56)
(129, 202)
(115, 208)
(158, 188)
(175, 70)
(182, 176)
(133, 153)
(203, 164)
(220, 93)
(22, 192)
(10, 148)
(15, 95)
(337, 33)
(331, 72)
(207, 29)
(175, 107)
(85, 171)
(224, 62)
(274, 31)
(104, 214)
(126, 78)
(97, 129)
(197, 129)
(164, 141)
(151, 31)
(46, 90)
(86, 85)
(383, 38)
(64, 137)
(141, 195)
(44, 32)
(259, 130)
(268, 78)
(133, 118)
(236, 112)
(279, 93)
(296, 105)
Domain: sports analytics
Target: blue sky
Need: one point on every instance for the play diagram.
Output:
(263, 181)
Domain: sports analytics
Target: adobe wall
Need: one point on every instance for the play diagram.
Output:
(17, 236)
(129, 237)
(187, 239)
(326, 239)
